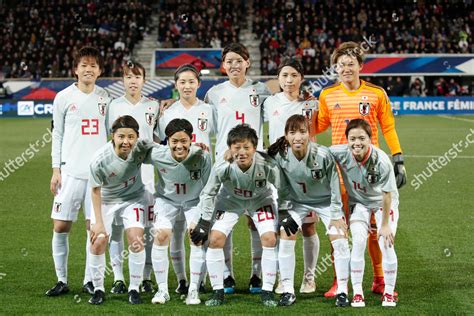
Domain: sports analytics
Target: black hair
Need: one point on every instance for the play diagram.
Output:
(134, 67)
(291, 62)
(179, 125)
(294, 123)
(187, 67)
(242, 132)
(89, 51)
(237, 48)
(125, 121)
(359, 123)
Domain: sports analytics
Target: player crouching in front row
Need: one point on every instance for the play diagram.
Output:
(118, 195)
(184, 170)
(310, 182)
(245, 180)
(370, 181)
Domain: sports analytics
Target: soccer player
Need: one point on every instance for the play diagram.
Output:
(118, 194)
(200, 114)
(370, 181)
(184, 170)
(355, 98)
(277, 109)
(245, 186)
(79, 119)
(237, 101)
(310, 182)
(145, 111)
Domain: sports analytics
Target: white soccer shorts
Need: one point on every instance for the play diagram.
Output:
(73, 193)
(299, 212)
(167, 214)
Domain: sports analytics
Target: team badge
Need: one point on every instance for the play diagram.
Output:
(219, 215)
(307, 113)
(364, 108)
(260, 183)
(202, 124)
(372, 175)
(57, 207)
(195, 174)
(102, 106)
(150, 118)
(317, 174)
(254, 100)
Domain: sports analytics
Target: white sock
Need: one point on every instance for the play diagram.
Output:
(286, 262)
(97, 267)
(269, 268)
(342, 257)
(357, 263)
(196, 262)
(87, 273)
(389, 266)
(256, 250)
(116, 251)
(159, 257)
(177, 250)
(60, 245)
(136, 263)
(310, 255)
(228, 248)
(148, 269)
(215, 267)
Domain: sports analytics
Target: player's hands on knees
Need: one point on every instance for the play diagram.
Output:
(98, 231)
(200, 233)
(289, 225)
(399, 169)
(55, 184)
(386, 233)
(340, 225)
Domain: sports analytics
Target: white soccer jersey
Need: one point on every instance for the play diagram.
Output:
(313, 180)
(277, 110)
(80, 129)
(237, 105)
(120, 180)
(252, 184)
(199, 115)
(365, 181)
(146, 112)
(180, 183)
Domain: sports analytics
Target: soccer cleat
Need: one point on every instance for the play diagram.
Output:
(58, 289)
(134, 297)
(378, 285)
(255, 285)
(342, 300)
(332, 291)
(358, 301)
(97, 298)
(193, 297)
(161, 297)
(287, 299)
(88, 288)
(118, 287)
(267, 299)
(279, 289)
(229, 285)
(308, 286)
(216, 299)
(147, 286)
(182, 287)
(389, 300)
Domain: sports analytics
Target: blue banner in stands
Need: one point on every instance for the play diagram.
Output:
(432, 105)
(201, 58)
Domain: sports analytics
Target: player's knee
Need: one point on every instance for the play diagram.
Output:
(268, 239)
(217, 239)
(308, 229)
(162, 237)
(99, 246)
(62, 226)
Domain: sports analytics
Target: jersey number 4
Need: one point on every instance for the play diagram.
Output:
(240, 116)
(90, 127)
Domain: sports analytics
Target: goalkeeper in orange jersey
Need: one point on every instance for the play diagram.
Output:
(352, 98)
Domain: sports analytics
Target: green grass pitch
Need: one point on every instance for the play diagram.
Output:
(433, 242)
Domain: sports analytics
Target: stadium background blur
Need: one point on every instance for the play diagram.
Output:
(39, 39)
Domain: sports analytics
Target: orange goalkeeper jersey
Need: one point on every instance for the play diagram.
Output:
(337, 106)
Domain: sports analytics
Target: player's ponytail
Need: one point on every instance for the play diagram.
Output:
(279, 146)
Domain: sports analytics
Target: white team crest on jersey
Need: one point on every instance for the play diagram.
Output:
(150, 118)
(317, 174)
(202, 124)
(364, 108)
(308, 113)
(57, 207)
(260, 183)
(195, 174)
(254, 100)
(102, 106)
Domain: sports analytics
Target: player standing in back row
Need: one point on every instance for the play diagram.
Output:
(238, 101)
(353, 98)
(79, 121)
